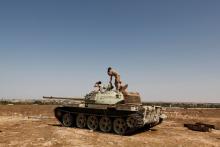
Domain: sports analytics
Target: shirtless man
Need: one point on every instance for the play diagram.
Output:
(113, 73)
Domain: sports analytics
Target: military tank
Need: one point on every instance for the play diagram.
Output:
(108, 110)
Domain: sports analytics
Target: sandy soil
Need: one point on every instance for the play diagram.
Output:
(33, 125)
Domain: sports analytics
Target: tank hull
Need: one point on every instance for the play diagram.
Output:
(120, 119)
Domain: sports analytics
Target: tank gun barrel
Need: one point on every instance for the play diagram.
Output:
(64, 98)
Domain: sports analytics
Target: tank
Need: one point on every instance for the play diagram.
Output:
(108, 111)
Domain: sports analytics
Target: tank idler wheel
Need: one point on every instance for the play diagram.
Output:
(120, 126)
(92, 122)
(81, 121)
(67, 120)
(105, 124)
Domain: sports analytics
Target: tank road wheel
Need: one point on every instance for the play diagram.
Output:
(105, 124)
(67, 120)
(92, 122)
(81, 121)
(120, 126)
(131, 122)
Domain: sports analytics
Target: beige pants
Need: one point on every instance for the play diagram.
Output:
(117, 82)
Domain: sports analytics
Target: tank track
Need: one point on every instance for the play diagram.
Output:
(120, 122)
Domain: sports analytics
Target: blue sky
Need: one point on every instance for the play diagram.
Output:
(166, 50)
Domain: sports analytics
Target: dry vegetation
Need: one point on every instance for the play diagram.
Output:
(34, 125)
(66, 101)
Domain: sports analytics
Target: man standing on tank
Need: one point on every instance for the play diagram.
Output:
(113, 73)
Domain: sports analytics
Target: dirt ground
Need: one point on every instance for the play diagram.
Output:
(35, 125)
